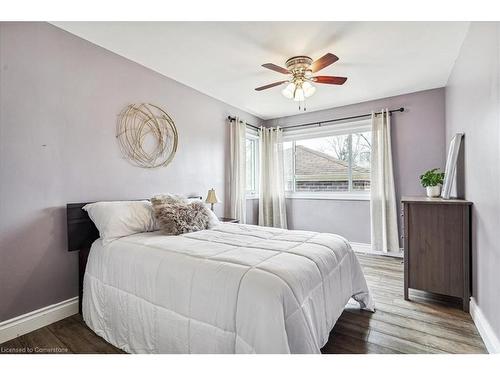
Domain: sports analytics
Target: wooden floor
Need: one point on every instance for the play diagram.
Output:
(427, 324)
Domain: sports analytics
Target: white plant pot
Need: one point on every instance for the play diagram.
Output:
(433, 191)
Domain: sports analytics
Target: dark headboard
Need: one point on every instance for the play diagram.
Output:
(81, 230)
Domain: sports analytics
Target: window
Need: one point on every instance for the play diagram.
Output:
(252, 164)
(329, 163)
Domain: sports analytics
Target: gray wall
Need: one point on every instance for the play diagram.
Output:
(59, 100)
(418, 138)
(473, 107)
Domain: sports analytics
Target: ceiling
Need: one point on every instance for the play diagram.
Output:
(223, 59)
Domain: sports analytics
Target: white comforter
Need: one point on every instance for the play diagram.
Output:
(233, 289)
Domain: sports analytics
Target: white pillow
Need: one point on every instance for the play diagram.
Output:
(120, 219)
(214, 220)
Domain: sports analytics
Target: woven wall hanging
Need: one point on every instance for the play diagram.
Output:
(147, 136)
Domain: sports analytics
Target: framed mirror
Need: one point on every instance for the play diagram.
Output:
(451, 165)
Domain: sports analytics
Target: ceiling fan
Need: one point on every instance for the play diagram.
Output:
(301, 69)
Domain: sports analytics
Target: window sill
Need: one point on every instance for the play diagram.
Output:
(321, 196)
(330, 196)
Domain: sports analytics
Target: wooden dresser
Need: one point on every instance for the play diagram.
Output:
(437, 246)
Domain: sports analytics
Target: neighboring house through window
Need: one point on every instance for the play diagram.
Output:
(330, 162)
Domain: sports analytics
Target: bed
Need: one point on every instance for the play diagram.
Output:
(232, 289)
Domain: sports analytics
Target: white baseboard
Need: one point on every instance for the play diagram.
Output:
(34, 320)
(489, 337)
(366, 248)
(361, 247)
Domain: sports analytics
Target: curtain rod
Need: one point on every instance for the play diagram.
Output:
(320, 123)
(246, 123)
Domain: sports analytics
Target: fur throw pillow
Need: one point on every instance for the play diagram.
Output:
(168, 199)
(177, 217)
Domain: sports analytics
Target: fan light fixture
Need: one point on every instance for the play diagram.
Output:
(299, 86)
(298, 91)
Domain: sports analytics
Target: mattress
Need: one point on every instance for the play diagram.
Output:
(232, 289)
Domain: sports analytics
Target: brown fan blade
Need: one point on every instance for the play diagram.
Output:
(276, 68)
(269, 86)
(323, 62)
(331, 80)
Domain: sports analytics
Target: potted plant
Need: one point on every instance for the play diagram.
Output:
(432, 181)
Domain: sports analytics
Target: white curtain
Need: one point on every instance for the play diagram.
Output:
(237, 170)
(272, 205)
(384, 224)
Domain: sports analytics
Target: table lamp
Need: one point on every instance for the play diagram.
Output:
(212, 198)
